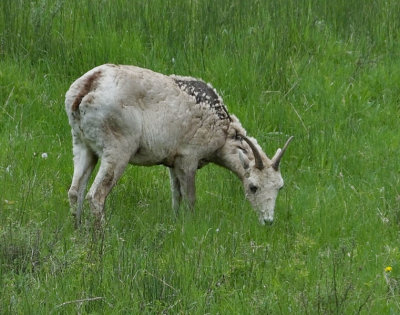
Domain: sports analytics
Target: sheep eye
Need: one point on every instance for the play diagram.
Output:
(253, 188)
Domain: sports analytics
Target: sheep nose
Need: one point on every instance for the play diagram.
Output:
(268, 221)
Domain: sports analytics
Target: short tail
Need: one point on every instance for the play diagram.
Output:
(88, 86)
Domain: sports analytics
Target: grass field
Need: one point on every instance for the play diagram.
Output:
(327, 72)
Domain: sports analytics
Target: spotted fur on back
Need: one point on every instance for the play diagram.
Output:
(204, 93)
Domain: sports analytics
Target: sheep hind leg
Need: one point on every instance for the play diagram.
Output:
(111, 168)
(84, 162)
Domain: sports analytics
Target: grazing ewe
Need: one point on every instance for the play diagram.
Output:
(125, 114)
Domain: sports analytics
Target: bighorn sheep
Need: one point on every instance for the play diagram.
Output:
(126, 114)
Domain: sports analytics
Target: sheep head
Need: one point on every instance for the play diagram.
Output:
(262, 179)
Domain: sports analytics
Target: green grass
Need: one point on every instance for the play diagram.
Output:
(327, 72)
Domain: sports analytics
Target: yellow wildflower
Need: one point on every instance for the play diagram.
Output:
(388, 269)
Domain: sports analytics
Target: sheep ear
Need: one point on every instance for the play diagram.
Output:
(243, 158)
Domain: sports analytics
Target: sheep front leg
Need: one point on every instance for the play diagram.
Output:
(185, 173)
(175, 190)
(190, 189)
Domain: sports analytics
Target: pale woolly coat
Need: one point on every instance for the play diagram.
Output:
(126, 114)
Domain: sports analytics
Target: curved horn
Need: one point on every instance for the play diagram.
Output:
(257, 156)
(277, 158)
